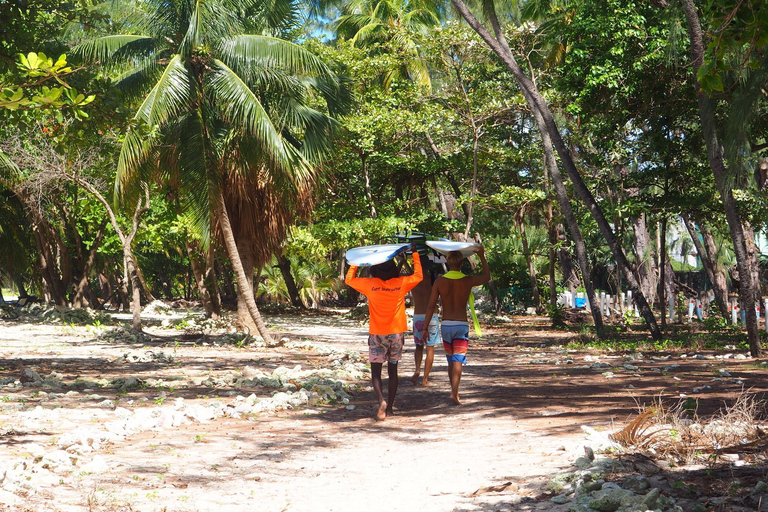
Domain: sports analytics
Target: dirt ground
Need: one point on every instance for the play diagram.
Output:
(525, 397)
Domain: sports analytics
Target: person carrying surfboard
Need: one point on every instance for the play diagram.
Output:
(386, 290)
(454, 290)
(425, 347)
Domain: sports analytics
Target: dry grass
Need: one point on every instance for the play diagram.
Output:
(679, 433)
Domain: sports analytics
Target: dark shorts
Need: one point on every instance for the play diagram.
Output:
(455, 340)
(383, 348)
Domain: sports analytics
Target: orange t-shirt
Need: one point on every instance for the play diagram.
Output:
(386, 299)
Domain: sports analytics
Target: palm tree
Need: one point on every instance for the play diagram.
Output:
(391, 25)
(225, 119)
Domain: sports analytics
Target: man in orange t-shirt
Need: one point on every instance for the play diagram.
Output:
(386, 290)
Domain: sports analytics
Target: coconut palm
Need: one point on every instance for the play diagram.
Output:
(225, 119)
(394, 25)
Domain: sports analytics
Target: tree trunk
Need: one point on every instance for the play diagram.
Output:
(448, 175)
(664, 299)
(646, 263)
(82, 287)
(548, 129)
(290, 283)
(143, 283)
(54, 268)
(367, 181)
(133, 275)
(198, 265)
(552, 236)
(131, 269)
(212, 283)
(744, 260)
(531, 267)
(473, 192)
(707, 254)
(244, 286)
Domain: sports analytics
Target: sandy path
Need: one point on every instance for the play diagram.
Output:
(429, 458)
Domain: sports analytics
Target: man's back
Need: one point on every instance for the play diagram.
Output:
(454, 294)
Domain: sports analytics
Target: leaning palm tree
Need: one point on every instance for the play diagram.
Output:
(225, 119)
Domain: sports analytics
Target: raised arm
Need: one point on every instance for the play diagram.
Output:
(486, 275)
(410, 282)
(352, 281)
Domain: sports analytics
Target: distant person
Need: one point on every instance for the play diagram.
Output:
(386, 290)
(454, 290)
(420, 296)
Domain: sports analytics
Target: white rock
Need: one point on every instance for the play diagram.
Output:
(8, 498)
(57, 459)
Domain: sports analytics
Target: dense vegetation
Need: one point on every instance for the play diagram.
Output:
(231, 150)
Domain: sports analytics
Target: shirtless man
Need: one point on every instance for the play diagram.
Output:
(453, 289)
(420, 296)
(386, 290)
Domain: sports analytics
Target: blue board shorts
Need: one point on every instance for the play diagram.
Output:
(455, 340)
(434, 331)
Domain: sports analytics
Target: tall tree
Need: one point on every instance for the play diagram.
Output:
(228, 119)
(551, 134)
(743, 246)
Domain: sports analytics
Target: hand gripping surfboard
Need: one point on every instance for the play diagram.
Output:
(368, 255)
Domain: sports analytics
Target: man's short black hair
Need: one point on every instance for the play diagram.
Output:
(386, 270)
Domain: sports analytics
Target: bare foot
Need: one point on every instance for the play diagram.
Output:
(425, 382)
(390, 412)
(415, 378)
(455, 400)
(381, 413)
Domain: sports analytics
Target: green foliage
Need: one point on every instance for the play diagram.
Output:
(556, 313)
(32, 94)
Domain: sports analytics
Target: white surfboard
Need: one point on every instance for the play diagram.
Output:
(368, 255)
(466, 249)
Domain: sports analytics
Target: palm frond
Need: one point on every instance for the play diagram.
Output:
(271, 52)
(107, 48)
(138, 79)
(349, 25)
(195, 167)
(9, 172)
(242, 108)
(171, 95)
(194, 34)
(318, 130)
(134, 153)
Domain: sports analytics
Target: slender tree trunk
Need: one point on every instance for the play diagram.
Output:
(665, 300)
(367, 181)
(470, 206)
(552, 235)
(81, 298)
(450, 178)
(198, 265)
(548, 128)
(244, 286)
(290, 283)
(135, 288)
(211, 282)
(715, 273)
(143, 283)
(745, 263)
(126, 240)
(531, 267)
(646, 263)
